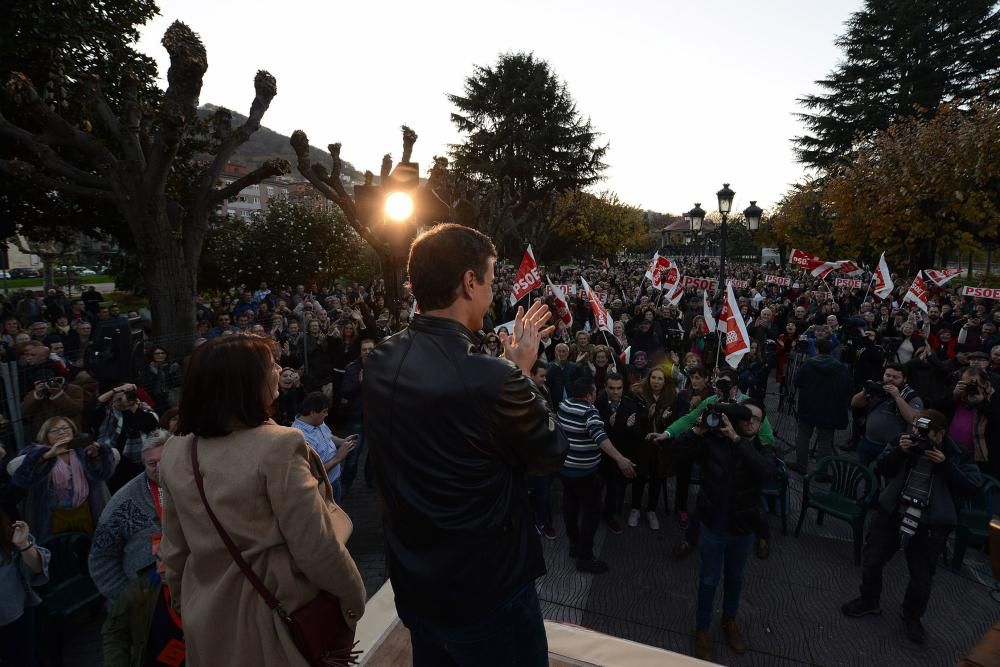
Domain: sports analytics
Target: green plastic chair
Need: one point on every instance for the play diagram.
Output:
(776, 487)
(974, 514)
(852, 489)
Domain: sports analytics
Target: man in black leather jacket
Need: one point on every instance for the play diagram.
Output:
(453, 434)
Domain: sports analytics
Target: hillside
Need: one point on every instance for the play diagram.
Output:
(266, 144)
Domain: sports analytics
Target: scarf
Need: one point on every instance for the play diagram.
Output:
(70, 481)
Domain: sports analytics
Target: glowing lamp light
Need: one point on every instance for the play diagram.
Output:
(399, 207)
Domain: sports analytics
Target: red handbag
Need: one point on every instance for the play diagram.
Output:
(318, 628)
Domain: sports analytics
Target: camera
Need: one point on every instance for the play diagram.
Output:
(713, 414)
(874, 389)
(972, 389)
(131, 395)
(80, 441)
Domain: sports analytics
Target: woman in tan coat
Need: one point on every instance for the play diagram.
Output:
(269, 491)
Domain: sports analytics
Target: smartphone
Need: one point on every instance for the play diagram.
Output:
(80, 440)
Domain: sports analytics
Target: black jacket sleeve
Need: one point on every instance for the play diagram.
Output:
(524, 424)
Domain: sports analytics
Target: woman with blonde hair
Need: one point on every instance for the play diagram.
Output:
(242, 492)
(65, 478)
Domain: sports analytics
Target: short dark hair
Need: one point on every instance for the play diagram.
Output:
(537, 366)
(614, 376)
(226, 383)
(938, 421)
(440, 257)
(314, 402)
(896, 366)
(824, 346)
(700, 371)
(757, 404)
(582, 387)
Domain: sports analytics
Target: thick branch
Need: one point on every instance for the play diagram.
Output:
(271, 168)
(386, 168)
(300, 143)
(188, 63)
(409, 138)
(46, 158)
(108, 118)
(61, 133)
(18, 169)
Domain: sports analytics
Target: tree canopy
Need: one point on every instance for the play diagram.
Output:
(288, 244)
(596, 226)
(525, 144)
(900, 58)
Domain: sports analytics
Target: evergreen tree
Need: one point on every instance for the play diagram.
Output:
(525, 144)
(901, 58)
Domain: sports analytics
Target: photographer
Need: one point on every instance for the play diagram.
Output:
(889, 407)
(64, 473)
(52, 397)
(975, 419)
(124, 419)
(734, 463)
(928, 473)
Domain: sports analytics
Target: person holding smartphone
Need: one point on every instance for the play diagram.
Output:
(64, 474)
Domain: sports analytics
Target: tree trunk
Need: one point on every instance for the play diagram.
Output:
(171, 286)
(48, 271)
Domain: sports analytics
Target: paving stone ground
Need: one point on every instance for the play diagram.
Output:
(790, 606)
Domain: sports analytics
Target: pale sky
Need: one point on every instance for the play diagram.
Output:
(689, 94)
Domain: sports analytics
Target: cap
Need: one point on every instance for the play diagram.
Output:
(979, 354)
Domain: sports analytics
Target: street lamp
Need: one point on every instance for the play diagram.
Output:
(752, 213)
(725, 196)
(695, 218)
(399, 206)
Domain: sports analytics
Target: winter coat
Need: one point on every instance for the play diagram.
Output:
(269, 491)
(825, 386)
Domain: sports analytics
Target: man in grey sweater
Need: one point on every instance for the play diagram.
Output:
(123, 540)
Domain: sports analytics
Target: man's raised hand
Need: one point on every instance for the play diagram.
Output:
(521, 347)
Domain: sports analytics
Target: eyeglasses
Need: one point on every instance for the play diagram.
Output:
(61, 429)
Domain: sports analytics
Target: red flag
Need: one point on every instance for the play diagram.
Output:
(883, 281)
(562, 308)
(601, 315)
(942, 276)
(527, 278)
(737, 338)
(917, 292)
(814, 265)
(665, 270)
(849, 267)
(706, 313)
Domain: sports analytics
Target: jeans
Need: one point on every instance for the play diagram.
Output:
(539, 499)
(718, 552)
(922, 552)
(824, 443)
(582, 511)
(868, 451)
(512, 635)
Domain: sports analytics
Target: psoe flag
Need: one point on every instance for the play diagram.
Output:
(527, 277)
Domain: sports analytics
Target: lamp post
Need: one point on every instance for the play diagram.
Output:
(725, 196)
(696, 217)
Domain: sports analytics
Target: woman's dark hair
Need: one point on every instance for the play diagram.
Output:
(439, 259)
(167, 416)
(226, 385)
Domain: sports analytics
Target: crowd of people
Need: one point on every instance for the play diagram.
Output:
(635, 407)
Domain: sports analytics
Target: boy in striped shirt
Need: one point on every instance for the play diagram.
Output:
(584, 429)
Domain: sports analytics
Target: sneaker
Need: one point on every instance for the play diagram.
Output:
(733, 636)
(762, 550)
(654, 522)
(614, 525)
(703, 646)
(591, 566)
(548, 531)
(914, 629)
(681, 550)
(682, 519)
(633, 519)
(859, 607)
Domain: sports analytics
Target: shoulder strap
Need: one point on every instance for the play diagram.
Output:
(245, 568)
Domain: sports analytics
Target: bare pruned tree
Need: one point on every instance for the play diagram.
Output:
(132, 167)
